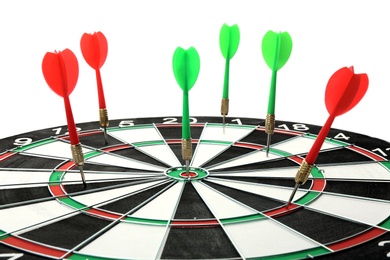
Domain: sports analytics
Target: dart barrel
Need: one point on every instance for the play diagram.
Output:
(303, 172)
(77, 154)
(103, 115)
(270, 124)
(186, 149)
(224, 106)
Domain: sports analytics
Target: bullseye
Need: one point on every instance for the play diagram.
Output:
(179, 173)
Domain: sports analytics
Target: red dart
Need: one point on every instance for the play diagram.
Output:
(94, 48)
(344, 91)
(61, 71)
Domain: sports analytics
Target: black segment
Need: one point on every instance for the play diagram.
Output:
(174, 132)
(139, 156)
(230, 153)
(97, 140)
(127, 204)
(30, 162)
(68, 232)
(320, 227)
(9, 196)
(176, 148)
(198, 243)
(191, 206)
(260, 137)
(342, 155)
(368, 189)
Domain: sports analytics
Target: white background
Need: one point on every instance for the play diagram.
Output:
(142, 36)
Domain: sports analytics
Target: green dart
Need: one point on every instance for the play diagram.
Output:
(186, 65)
(276, 49)
(229, 38)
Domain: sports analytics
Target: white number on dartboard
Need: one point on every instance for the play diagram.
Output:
(173, 120)
(58, 130)
(297, 127)
(125, 123)
(11, 256)
(237, 120)
(379, 150)
(22, 141)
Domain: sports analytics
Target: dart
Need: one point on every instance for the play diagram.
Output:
(186, 65)
(94, 49)
(276, 49)
(344, 91)
(229, 39)
(61, 71)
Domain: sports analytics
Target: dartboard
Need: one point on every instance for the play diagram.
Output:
(141, 203)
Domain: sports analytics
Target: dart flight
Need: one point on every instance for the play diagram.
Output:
(343, 92)
(94, 48)
(61, 71)
(276, 49)
(186, 66)
(229, 39)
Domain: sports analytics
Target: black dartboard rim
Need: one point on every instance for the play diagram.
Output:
(196, 228)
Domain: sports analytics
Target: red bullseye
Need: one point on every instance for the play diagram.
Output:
(188, 175)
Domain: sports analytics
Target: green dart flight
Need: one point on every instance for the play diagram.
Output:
(186, 66)
(229, 39)
(276, 49)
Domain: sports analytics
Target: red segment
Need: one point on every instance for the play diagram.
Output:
(188, 175)
(282, 210)
(57, 191)
(31, 246)
(194, 223)
(367, 153)
(6, 155)
(104, 214)
(67, 166)
(296, 159)
(249, 145)
(358, 239)
(116, 148)
(318, 184)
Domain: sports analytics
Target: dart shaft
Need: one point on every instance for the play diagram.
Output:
(225, 92)
(186, 132)
(272, 93)
(73, 136)
(102, 100)
(315, 149)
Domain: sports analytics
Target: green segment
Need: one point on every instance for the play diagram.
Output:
(3, 235)
(276, 49)
(215, 142)
(32, 145)
(385, 223)
(229, 39)
(74, 204)
(186, 66)
(91, 154)
(147, 143)
(78, 256)
(147, 221)
(309, 253)
(55, 177)
(309, 196)
(279, 152)
(386, 164)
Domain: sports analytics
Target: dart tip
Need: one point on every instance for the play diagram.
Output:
(82, 176)
(105, 135)
(292, 194)
(268, 144)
